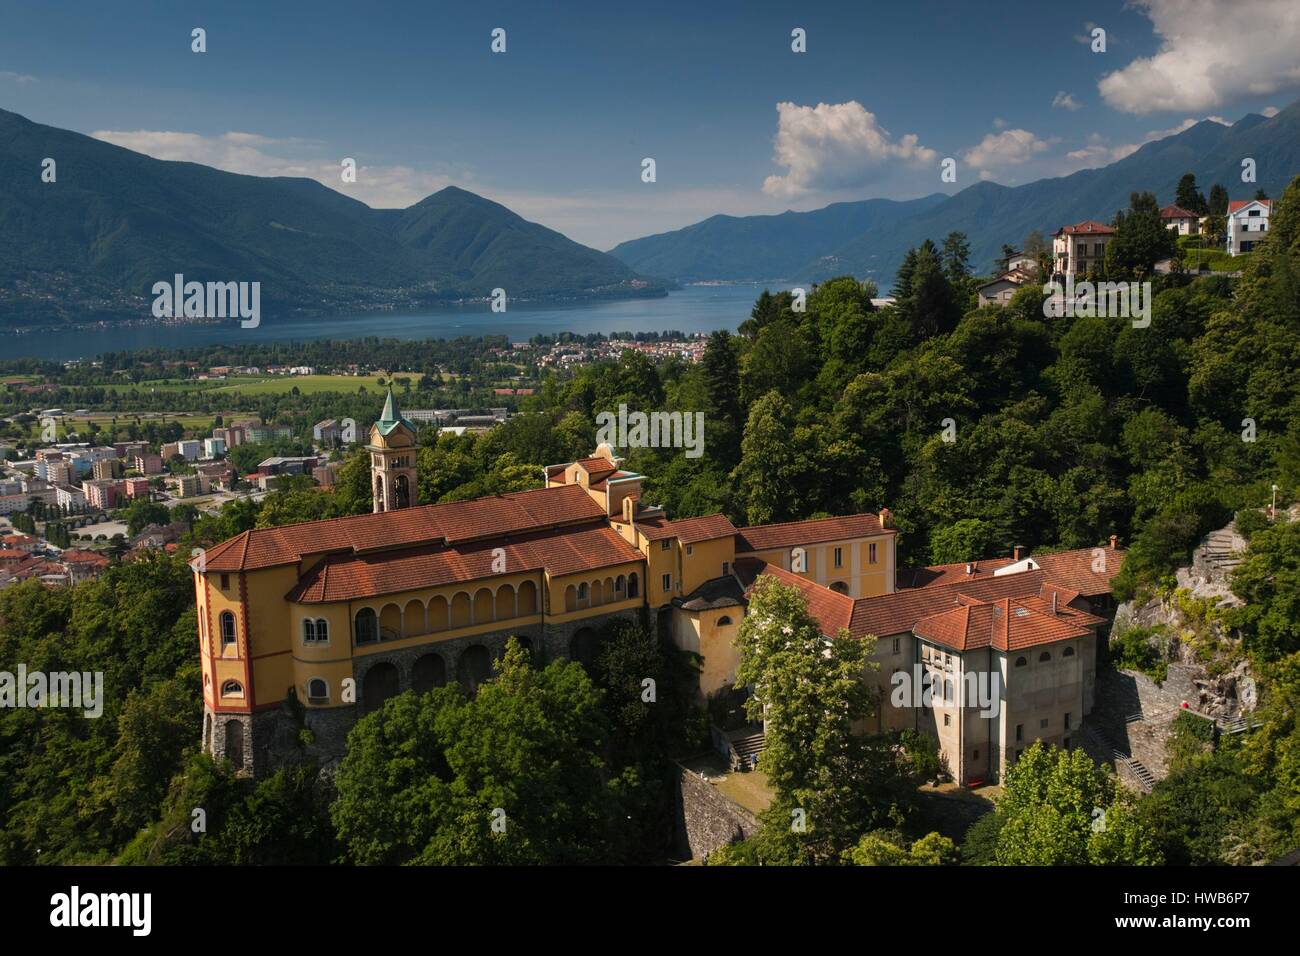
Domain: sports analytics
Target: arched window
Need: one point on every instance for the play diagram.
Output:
(582, 591)
(1044, 657)
(620, 583)
(724, 621)
(839, 587)
(322, 630)
(318, 691)
(232, 688)
(367, 626)
(1021, 662)
(227, 629)
(633, 585)
(1068, 652)
(309, 631)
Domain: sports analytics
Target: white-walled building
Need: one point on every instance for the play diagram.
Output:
(1077, 249)
(1247, 224)
(1182, 221)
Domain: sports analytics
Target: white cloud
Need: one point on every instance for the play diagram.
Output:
(1064, 101)
(1098, 153)
(22, 79)
(836, 146)
(1086, 36)
(1011, 147)
(999, 123)
(1270, 111)
(1211, 53)
(600, 219)
(382, 187)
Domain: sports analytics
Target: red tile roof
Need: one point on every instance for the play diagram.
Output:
(833, 611)
(1239, 203)
(687, 530)
(558, 551)
(897, 613)
(948, 573)
(770, 536)
(1006, 624)
(596, 466)
(1173, 211)
(1085, 227)
(459, 521)
(1070, 569)
(83, 557)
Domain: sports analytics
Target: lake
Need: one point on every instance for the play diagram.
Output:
(694, 308)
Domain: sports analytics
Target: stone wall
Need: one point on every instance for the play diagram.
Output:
(271, 739)
(706, 820)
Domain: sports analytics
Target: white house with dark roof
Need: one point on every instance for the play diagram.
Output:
(1182, 221)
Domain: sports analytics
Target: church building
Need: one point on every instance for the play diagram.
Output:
(314, 624)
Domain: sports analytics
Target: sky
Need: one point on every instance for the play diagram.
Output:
(558, 125)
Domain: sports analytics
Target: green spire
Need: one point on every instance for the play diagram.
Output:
(391, 416)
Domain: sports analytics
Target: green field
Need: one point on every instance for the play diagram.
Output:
(1215, 259)
(201, 423)
(257, 385)
(306, 384)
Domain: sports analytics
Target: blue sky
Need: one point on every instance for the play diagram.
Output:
(557, 126)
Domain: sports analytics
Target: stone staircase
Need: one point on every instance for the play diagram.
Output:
(1221, 550)
(1238, 725)
(742, 747)
(1103, 741)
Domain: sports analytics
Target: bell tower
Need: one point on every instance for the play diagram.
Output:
(392, 451)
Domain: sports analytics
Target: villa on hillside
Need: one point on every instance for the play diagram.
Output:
(1247, 222)
(1182, 221)
(317, 623)
(1077, 249)
(1018, 269)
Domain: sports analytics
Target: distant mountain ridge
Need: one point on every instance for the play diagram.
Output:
(763, 247)
(724, 248)
(114, 222)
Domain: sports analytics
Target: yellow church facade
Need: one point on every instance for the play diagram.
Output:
(311, 625)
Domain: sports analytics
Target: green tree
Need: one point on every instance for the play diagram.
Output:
(1059, 809)
(1141, 239)
(1189, 197)
(513, 775)
(832, 784)
(723, 423)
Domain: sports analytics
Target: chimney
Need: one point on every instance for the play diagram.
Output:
(1015, 552)
(970, 568)
(1114, 541)
(886, 518)
(1053, 604)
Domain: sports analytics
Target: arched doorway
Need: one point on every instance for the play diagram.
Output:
(474, 668)
(429, 671)
(235, 743)
(380, 684)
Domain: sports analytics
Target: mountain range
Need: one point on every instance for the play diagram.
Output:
(113, 222)
(869, 238)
